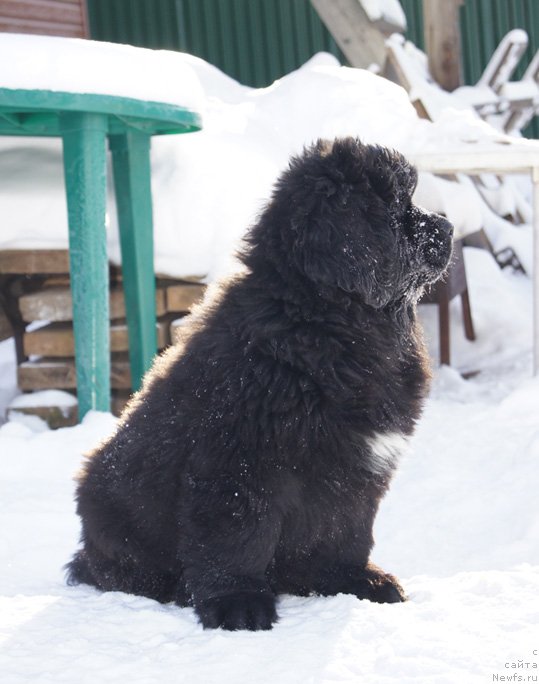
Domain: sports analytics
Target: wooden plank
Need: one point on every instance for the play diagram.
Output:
(49, 262)
(34, 261)
(180, 297)
(5, 326)
(178, 328)
(60, 280)
(118, 401)
(46, 10)
(55, 304)
(57, 339)
(442, 41)
(362, 43)
(59, 373)
(54, 416)
(49, 28)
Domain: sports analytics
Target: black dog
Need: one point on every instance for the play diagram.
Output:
(254, 458)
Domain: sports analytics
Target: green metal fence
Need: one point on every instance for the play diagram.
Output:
(257, 41)
(254, 41)
(147, 23)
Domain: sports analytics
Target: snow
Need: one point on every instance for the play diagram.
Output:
(208, 186)
(74, 65)
(520, 90)
(460, 524)
(507, 54)
(44, 398)
(389, 10)
(453, 113)
(460, 527)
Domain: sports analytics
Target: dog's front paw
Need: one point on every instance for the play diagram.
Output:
(380, 587)
(238, 611)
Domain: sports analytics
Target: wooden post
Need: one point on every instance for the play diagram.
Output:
(442, 41)
(361, 42)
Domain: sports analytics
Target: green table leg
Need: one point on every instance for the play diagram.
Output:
(132, 181)
(84, 142)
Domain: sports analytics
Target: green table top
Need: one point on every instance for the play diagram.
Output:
(37, 113)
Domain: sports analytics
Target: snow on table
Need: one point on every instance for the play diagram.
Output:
(74, 65)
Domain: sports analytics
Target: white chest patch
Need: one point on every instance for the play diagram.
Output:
(385, 450)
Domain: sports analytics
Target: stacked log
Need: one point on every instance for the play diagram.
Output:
(36, 298)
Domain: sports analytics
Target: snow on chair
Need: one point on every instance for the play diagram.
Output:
(524, 92)
(489, 95)
(507, 105)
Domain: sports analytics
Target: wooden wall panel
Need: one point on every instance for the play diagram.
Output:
(45, 17)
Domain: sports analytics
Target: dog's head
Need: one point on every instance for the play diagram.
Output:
(342, 214)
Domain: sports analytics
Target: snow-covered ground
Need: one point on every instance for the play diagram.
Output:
(460, 525)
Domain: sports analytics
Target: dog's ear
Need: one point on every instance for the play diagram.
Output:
(349, 257)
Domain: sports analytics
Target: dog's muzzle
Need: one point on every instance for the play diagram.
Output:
(432, 238)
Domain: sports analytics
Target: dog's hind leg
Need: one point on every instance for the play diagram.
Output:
(89, 566)
(369, 582)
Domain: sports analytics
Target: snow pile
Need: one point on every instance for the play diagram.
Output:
(389, 11)
(209, 186)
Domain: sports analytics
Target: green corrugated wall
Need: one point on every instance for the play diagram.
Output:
(257, 41)
(254, 41)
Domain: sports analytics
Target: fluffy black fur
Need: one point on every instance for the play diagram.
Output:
(254, 458)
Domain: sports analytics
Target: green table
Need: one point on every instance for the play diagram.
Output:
(84, 122)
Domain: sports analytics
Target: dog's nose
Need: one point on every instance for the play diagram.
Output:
(434, 222)
(444, 226)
